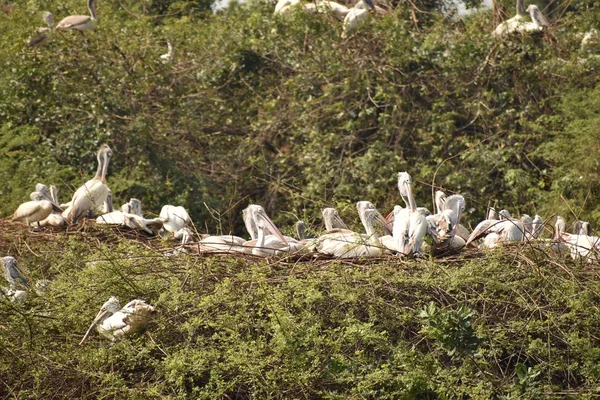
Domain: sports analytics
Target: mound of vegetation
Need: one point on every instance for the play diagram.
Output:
(283, 112)
(509, 324)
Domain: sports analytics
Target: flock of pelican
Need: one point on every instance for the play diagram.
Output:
(351, 18)
(407, 231)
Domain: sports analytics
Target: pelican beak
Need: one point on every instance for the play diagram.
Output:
(99, 317)
(370, 4)
(105, 166)
(338, 220)
(272, 228)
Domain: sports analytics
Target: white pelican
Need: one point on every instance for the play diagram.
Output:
(250, 223)
(92, 195)
(16, 280)
(80, 22)
(113, 322)
(333, 221)
(580, 246)
(117, 217)
(538, 21)
(34, 211)
(357, 15)
(497, 232)
(348, 244)
(538, 227)
(224, 243)
(327, 7)
(511, 25)
(174, 218)
(527, 225)
(55, 219)
(582, 228)
(276, 243)
(410, 226)
(284, 6)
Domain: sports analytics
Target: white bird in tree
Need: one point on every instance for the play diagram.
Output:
(80, 22)
(113, 322)
(410, 225)
(538, 227)
(174, 218)
(169, 54)
(270, 241)
(16, 280)
(538, 21)
(512, 25)
(581, 246)
(90, 197)
(357, 15)
(327, 7)
(34, 211)
(344, 243)
(444, 227)
(284, 6)
(333, 221)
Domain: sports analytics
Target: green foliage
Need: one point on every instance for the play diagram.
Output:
(232, 327)
(451, 328)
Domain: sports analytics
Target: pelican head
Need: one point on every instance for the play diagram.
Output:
(249, 223)
(527, 223)
(368, 214)
(48, 18)
(536, 15)
(301, 230)
(456, 203)
(404, 182)
(110, 307)
(504, 214)
(332, 219)
(264, 223)
(104, 155)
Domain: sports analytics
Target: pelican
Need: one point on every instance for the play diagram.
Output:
(276, 243)
(580, 245)
(538, 227)
(43, 32)
(326, 7)
(348, 244)
(174, 218)
(582, 228)
(34, 211)
(113, 322)
(224, 243)
(92, 195)
(283, 6)
(80, 22)
(357, 15)
(538, 21)
(497, 232)
(511, 25)
(250, 223)
(16, 280)
(527, 225)
(333, 221)
(117, 217)
(410, 226)
(55, 219)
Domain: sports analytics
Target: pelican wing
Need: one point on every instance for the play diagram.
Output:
(73, 21)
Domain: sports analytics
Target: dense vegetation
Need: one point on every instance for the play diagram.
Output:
(283, 112)
(508, 325)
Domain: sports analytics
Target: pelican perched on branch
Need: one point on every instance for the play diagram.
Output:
(538, 21)
(80, 22)
(284, 6)
(410, 225)
(113, 322)
(174, 218)
(580, 245)
(16, 280)
(344, 243)
(327, 7)
(333, 221)
(269, 239)
(512, 25)
(496, 232)
(91, 196)
(357, 15)
(444, 227)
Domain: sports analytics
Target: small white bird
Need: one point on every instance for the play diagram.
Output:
(113, 322)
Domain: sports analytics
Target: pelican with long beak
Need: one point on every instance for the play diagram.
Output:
(276, 243)
(580, 245)
(36, 210)
(80, 22)
(55, 219)
(91, 196)
(538, 20)
(344, 243)
(496, 232)
(272, 238)
(410, 226)
(114, 322)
